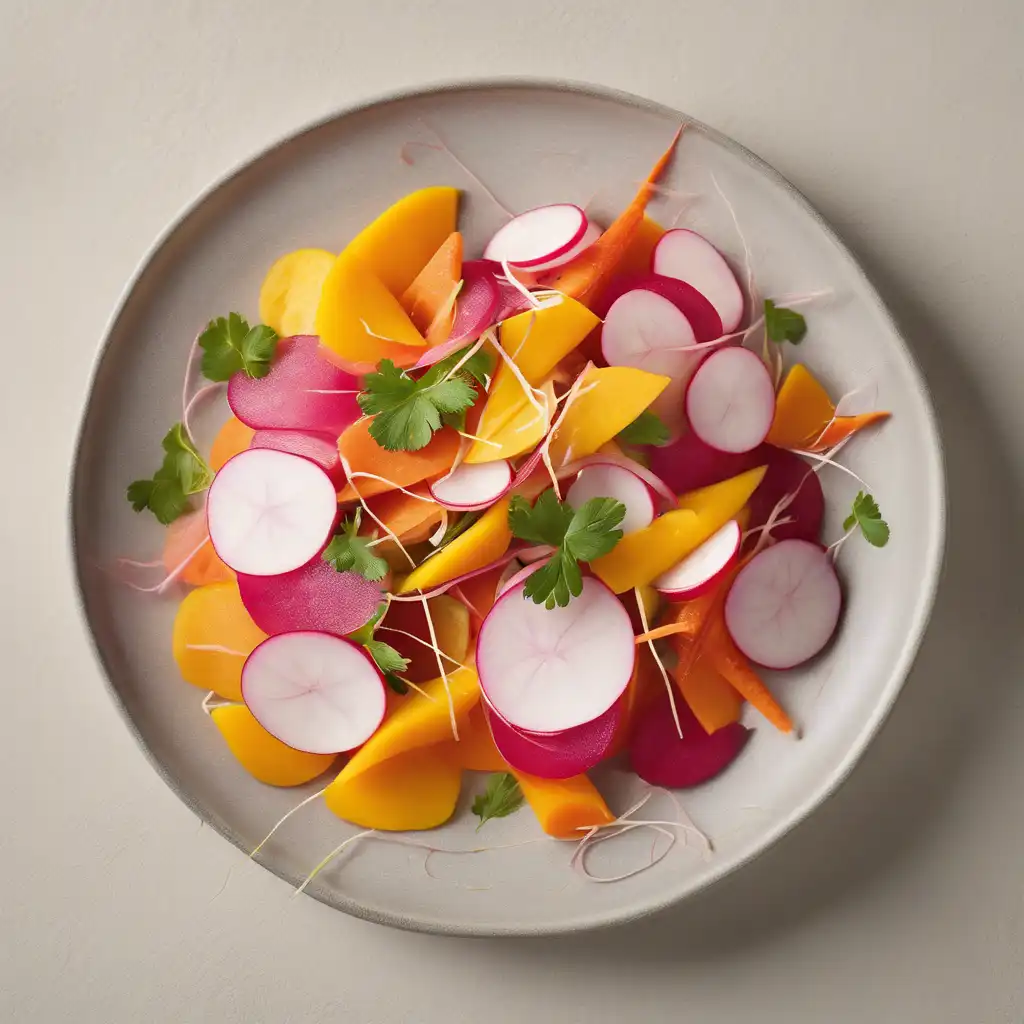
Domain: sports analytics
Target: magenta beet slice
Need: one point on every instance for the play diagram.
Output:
(319, 448)
(689, 463)
(704, 319)
(788, 474)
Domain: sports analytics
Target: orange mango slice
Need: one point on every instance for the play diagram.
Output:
(264, 756)
(802, 410)
(409, 518)
(428, 300)
(232, 438)
(842, 427)
(565, 808)
(214, 617)
(521, 432)
(290, 292)
(476, 750)
(205, 566)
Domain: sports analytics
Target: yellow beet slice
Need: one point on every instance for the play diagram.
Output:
(418, 721)
(565, 808)
(718, 503)
(414, 791)
(290, 292)
(802, 410)
(214, 617)
(616, 396)
(264, 756)
(520, 432)
(486, 540)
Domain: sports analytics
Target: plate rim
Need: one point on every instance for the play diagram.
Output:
(935, 554)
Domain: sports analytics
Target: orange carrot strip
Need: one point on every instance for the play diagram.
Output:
(408, 518)
(233, 437)
(709, 695)
(843, 427)
(205, 565)
(476, 750)
(564, 806)
(669, 629)
(432, 288)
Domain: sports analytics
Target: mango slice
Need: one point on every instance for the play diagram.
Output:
(709, 695)
(214, 616)
(802, 410)
(565, 808)
(415, 791)
(264, 756)
(519, 433)
(290, 292)
(475, 749)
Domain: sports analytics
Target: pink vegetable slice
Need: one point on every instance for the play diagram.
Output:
(304, 390)
(472, 487)
(314, 691)
(538, 236)
(699, 571)
(556, 755)
(689, 464)
(661, 758)
(690, 257)
(319, 448)
(788, 474)
(546, 670)
(604, 480)
(701, 315)
(590, 236)
(646, 330)
(313, 597)
(270, 512)
(477, 304)
(784, 604)
(515, 574)
(730, 402)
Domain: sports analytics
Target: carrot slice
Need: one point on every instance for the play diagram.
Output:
(565, 808)
(410, 519)
(205, 566)
(709, 695)
(843, 427)
(476, 750)
(639, 253)
(431, 290)
(232, 438)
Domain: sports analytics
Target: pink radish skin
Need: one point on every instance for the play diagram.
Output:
(533, 660)
(291, 396)
(661, 758)
(730, 402)
(701, 570)
(558, 755)
(690, 257)
(783, 606)
(314, 691)
(315, 597)
(472, 486)
(538, 236)
(590, 236)
(477, 303)
(645, 330)
(269, 512)
(608, 481)
(319, 448)
(701, 315)
(520, 575)
(689, 463)
(788, 474)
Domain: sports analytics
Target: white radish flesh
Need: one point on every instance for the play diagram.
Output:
(590, 236)
(538, 236)
(689, 257)
(608, 481)
(472, 486)
(701, 569)
(545, 670)
(784, 604)
(314, 691)
(521, 575)
(270, 512)
(730, 402)
(646, 330)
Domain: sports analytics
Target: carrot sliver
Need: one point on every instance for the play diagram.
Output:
(432, 287)
(232, 438)
(408, 518)
(843, 427)
(660, 632)
(476, 750)
(205, 566)
(729, 660)
(564, 807)
(714, 701)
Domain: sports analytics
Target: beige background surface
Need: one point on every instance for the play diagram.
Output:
(902, 900)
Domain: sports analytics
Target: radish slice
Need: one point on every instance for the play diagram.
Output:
(538, 236)
(270, 512)
(608, 481)
(690, 257)
(646, 330)
(689, 463)
(702, 316)
(505, 576)
(700, 570)
(590, 236)
(730, 402)
(560, 755)
(520, 574)
(313, 597)
(314, 691)
(304, 390)
(788, 474)
(784, 604)
(547, 670)
(654, 482)
(319, 448)
(472, 486)
(477, 303)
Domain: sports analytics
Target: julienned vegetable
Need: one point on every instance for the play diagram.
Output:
(517, 514)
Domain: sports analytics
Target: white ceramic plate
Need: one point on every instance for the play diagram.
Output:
(532, 144)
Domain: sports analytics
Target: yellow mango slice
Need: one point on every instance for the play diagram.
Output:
(290, 292)
(520, 432)
(475, 749)
(214, 617)
(646, 553)
(400, 242)
(414, 791)
(417, 721)
(616, 396)
(354, 298)
(802, 410)
(264, 756)
(486, 540)
(565, 808)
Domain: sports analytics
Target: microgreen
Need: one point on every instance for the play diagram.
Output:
(348, 552)
(182, 473)
(782, 324)
(229, 344)
(501, 798)
(866, 515)
(647, 428)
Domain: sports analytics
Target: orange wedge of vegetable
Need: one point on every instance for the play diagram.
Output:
(204, 565)
(710, 697)
(565, 808)
(410, 518)
(476, 750)
(802, 410)
(428, 300)
(843, 427)
(232, 438)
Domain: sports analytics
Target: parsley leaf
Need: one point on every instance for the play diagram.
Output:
(182, 473)
(544, 522)
(386, 657)
(593, 530)
(229, 344)
(501, 798)
(364, 633)
(348, 552)
(782, 324)
(867, 516)
(647, 428)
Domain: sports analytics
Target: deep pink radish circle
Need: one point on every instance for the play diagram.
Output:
(472, 486)
(689, 257)
(590, 236)
(606, 480)
(702, 568)
(646, 330)
(538, 236)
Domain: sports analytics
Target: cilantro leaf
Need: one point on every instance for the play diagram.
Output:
(386, 657)
(593, 530)
(348, 552)
(867, 516)
(182, 473)
(501, 798)
(647, 428)
(782, 324)
(545, 522)
(229, 344)
(477, 367)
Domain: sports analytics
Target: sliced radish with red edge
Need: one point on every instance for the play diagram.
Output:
(538, 236)
(319, 448)
(477, 302)
(590, 236)
(700, 570)
(730, 402)
(472, 486)
(520, 574)
(690, 257)
(646, 330)
(702, 316)
(605, 480)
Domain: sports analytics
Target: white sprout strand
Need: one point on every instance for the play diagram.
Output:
(747, 261)
(347, 469)
(828, 460)
(591, 840)
(373, 334)
(209, 706)
(384, 480)
(205, 390)
(526, 335)
(781, 505)
(297, 807)
(518, 285)
(440, 665)
(189, 363)
(460, 455)
(216, 649)
(461, 595)
(689, 823)
(758, 531)
(545, 448)
(421, 641)
(330, 391)
(442, 528)
(660, 663)
(833, 452)
(413, 686)
(136, 564)
(475, 437)
(160, 587)
(327, 860)
(836, 546)
(528, 389)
